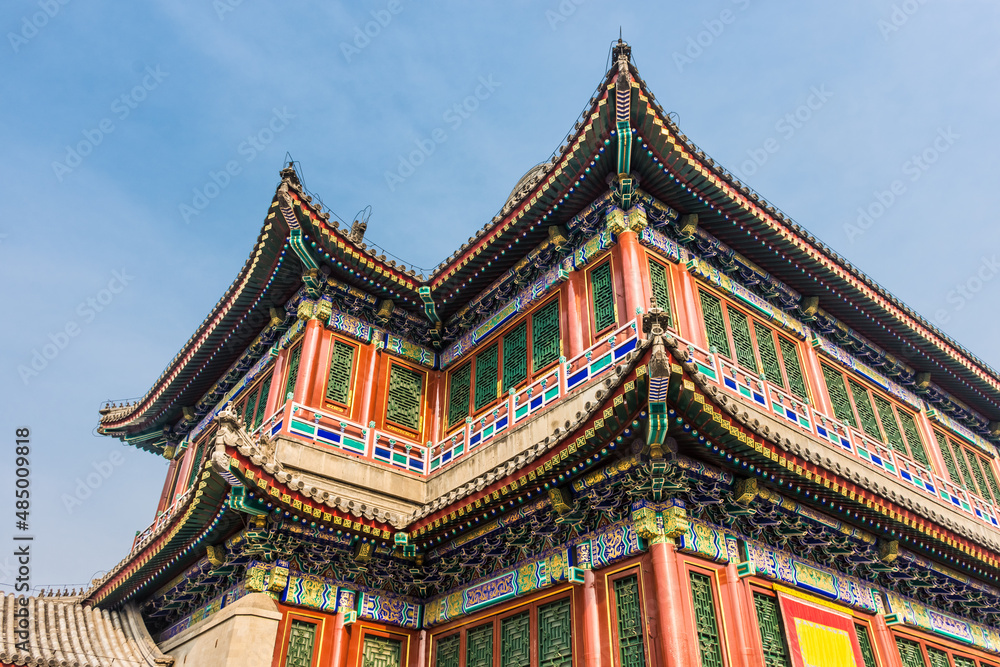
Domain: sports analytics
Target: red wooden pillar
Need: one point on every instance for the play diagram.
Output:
(631, 259)
(307, 361)
(576, 320)
(369, 379)
(423, 654)
(168, 487)
(591, 622)
(817, 387)
(434, 407)
(673, 641)
(740, 647)
(926, 430)
(886, 643)
(340, 641)
(688, 317)
(276, 394)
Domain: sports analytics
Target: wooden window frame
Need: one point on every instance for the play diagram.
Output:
(942, 644)
(592, 304)
(352, 382)
(610, 578)
(754, 323)
(319, 626)
(286, 375)
(872, 391)
(528, 319)
(698, 567)
(672, 320)
(415, 433)
(461, 627)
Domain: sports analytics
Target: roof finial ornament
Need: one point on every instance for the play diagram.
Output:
(621, 52)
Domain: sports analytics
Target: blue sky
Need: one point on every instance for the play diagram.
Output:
(116, 116)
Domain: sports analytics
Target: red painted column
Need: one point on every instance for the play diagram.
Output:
(631, 258)
(315, 394)
(740, 648)
(168, 486)
(931, 444)
(276, 394)
(576, 323)
(814, 375)
(423, 655)
(689, 317)
(591, 622)
(886, 643)
(369, 377)
(307, 361)
(339, 652)
(674, 644)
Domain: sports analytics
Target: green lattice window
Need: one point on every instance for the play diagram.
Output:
(447, 651)
(772, 639)
(740, 326)
(917, 450)
(909, 653)
(962, 661)
(458, 394)
(865, 411)
(515, 356)
(293, 371)
(196, 462)
(867, 650)
(381, 652)
(405, 389)
(555, 634)
(963, 467)
(631, 652)
(768, 355)
(479, 646)
(301, 640)
(250, 408)
(265, 388)
(603, 295)
(991, 478)
(486, 377)
(545, 347)
(706, 621)
(939, 658)
(793, 368)
(715, 327)
(661, 286)
(949, 460)
(977, 474)
(838, 396)
(338, 383)
(890, 426)
(515, 640)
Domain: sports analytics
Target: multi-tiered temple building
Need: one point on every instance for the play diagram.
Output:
(640, 418)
